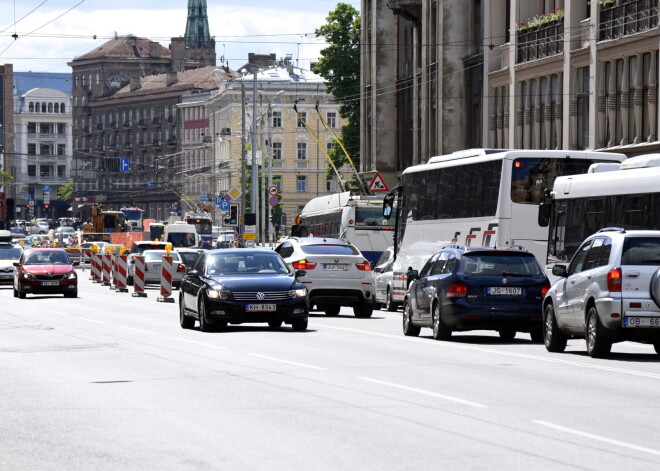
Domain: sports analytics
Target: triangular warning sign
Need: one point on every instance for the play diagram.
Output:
(378, 185)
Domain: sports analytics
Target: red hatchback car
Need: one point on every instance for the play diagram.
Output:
(45, 271)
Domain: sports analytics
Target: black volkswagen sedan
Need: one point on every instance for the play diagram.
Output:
(235, 286)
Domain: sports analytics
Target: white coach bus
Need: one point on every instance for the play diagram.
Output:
(625, 195)
(477, 197)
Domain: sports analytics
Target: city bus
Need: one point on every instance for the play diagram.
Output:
(625, 195)
(204, 225)
(134, 219)
(476, 197)
(358, 219)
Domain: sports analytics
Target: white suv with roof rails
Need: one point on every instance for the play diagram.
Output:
(337, 274)
(610, 292)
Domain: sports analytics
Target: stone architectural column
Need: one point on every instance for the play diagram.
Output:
(547, 112)
(625, 101)
(638, 98)
(653, 99)
(559, 111)
(573, 110)
(527, 116)
(505, 123)
(611, 105)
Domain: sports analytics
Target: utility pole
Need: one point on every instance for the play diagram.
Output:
(243, 157)
(254, 207)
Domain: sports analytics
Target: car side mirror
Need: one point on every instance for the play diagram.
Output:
(377, 269)
(412, 275)
(75, 263)
(560, 270)
(300, 273)
(16, 264)
(193, 273)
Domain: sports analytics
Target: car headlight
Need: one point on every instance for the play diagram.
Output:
(71, 275)
(28, 276)
(298, 293)
(218, 294)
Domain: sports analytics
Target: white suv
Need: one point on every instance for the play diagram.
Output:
(337, 274)
(610, 292)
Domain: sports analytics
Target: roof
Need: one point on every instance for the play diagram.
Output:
(26, 81)
(284, 74)
(128, 47)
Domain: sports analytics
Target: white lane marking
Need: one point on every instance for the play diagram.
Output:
(136, 330)
(91, 320)
(287, 362)
(475, 348)
(58, 313)
(598, 437)
(200, 343)
(427, 393)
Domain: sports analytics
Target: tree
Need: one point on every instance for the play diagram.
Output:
(340, 67)
(65, 192)
(5, 177)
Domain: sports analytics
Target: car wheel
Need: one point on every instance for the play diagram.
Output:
(15, 293)
(204, 326)
(597, 345)
(274, 324)
(21, 294)
(440, 330)
(553, 338)
(363, 310)
(332, 311)
(185, 321)
(409, 329)
(390, 305)
(299, 325)
(507, 334)
(176, 285)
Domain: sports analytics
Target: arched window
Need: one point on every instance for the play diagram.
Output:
(62, 110)
(43, 107)
(50, 107)
(31, 107)
(57, 107)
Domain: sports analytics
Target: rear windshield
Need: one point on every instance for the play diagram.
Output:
(641, 251)
(330, 250)
(188, 256)
(491, 264)
(12, 253)
(158, 256)
(141, 248)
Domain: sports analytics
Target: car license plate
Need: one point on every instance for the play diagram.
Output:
(261, 308)
(641, 321)
(6, 277)
(335, 266)
(504, 291)
(50, 283)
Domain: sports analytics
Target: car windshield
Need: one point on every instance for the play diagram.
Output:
(46, 258)
(247, 263)
(641, 251)
(13, 253)
(330, 249)
(494, 264)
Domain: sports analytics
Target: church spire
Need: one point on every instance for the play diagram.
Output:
(197, 27)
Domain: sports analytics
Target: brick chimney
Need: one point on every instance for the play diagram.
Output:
(171, 78)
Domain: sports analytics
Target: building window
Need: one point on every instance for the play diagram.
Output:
(62, 108)
(61, 128)
(302, 117)
(277, 119)
(330, 185)
(277, 151)
(32, 149)
(329, 146)
(277, 181)
(302, 150)
(332, 119)
(45, 149)
(301, 183)
(31, 107)
(32, 170)
(32, 128)
(44, 170)
(61, 149)
(61, 170)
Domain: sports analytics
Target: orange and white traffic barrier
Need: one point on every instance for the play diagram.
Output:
(166, 273)
(138, 277)
(96, 268)
(107, 267)
(121, 272)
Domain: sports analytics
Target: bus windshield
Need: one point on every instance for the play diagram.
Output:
(530, 176)
(372, 217)
(202, 226)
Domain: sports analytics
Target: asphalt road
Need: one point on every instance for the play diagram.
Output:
(108, 381)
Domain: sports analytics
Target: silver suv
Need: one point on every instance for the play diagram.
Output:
(610, 292)
(337, 274)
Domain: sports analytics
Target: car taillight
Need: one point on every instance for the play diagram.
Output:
(545, 288)
(457, 289)
(181, 268)
(614, 280)
(364, 266)
(303, 265)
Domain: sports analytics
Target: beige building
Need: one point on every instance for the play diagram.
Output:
(299, 161)
(538, 74)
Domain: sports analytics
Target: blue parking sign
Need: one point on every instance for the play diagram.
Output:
(224, 206)
(124, 165)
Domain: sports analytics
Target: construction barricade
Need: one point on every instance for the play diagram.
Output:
(96, 268)
(166, 273)
(120, 273)
(138, 277)
(106, 262)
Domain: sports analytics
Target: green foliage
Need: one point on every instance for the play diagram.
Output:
(340, 67)
(5, 177)
(65, 192)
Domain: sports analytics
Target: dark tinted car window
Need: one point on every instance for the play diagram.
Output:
(426, 269)
(493, 263)
(594, 254)
(439, 266)
(604, 256)
(285, 250)
(328, 249)
(641, 251)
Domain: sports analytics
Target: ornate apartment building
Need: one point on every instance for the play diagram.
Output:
(536, 74)
(125, 123)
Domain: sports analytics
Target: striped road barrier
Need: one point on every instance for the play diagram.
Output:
(138, 277)
(97, 268)
(121, 272)
(106, 263)
(166, 273)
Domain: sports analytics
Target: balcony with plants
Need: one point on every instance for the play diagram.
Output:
(541, 36)
(620, 18)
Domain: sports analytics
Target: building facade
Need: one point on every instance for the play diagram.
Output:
(6, 141)
(299, 162)
(541, 74)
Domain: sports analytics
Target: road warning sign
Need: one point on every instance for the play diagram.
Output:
(378, 184)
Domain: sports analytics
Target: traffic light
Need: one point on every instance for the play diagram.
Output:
(46, 206)
(232, 220)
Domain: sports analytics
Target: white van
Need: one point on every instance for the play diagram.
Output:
(182, 234)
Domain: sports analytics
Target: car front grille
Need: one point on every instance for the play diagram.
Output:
(49, 277)
(267, 296)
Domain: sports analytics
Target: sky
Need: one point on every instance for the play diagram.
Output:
(51, 33)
